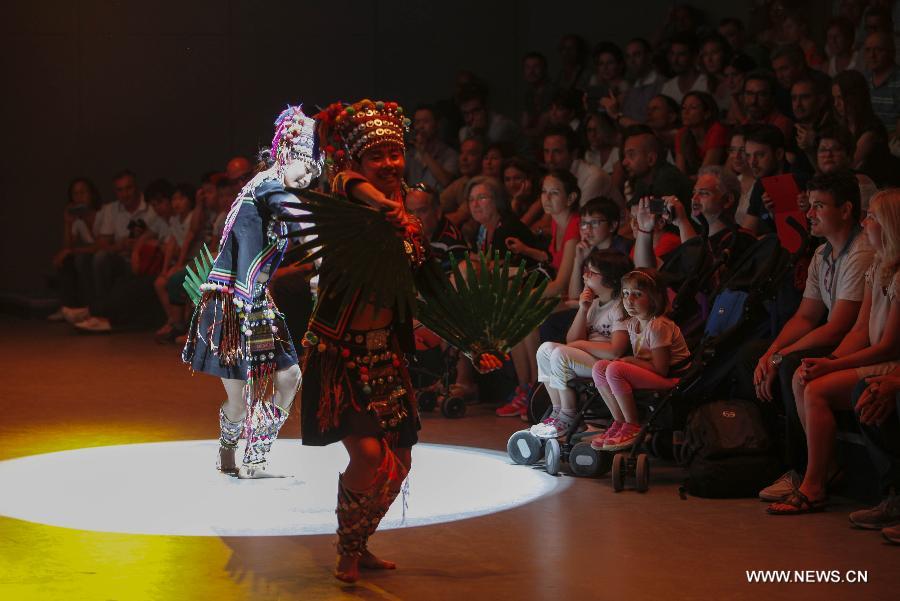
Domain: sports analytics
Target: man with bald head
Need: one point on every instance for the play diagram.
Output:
(648, 171)
(883, 76)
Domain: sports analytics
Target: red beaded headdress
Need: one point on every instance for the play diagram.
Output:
(348, 131)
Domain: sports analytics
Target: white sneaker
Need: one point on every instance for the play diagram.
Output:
(94, 324)
(74, 315)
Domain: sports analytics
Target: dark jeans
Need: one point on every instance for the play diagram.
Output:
(794, 437)
(108, 268)
(882, 443)
(76, 280)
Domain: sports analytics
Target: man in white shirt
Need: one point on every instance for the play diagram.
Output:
(682, 58)
(121, 224)
(560, 148)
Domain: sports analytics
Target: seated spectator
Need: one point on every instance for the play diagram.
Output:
(764, 150)
(663, 118)
(682, 57)
(497, 225)
(839, 47)
(835, 288)
(560, 152)
(608, 77)
(175, 255)
(521, 180)
(559, 197)
(713, 203)
(733, 30)
(602, 145)
(444, 237)
(883, 77)
(482, 122)
(575, 71)
(648, 173)
(121, 223)
(877, 406)
(737, 162)
(454, 203)
(645, 81)
(74, 259)
(811, 105)
(871, 348)
(539, 91)
(702, 139)
(565, 109)
(833, 155)
(659, 358)
(592, 335)
(795, 32)
(492, 161)
(734, 74)
(714, 55)
(428, 160)
(758, 103)
(853, 110)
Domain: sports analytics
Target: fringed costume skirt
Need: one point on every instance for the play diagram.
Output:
(357, 385)
(228, 339)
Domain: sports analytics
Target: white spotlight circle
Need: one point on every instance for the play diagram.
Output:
(173, 488)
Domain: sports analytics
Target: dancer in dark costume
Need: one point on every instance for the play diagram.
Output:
(237, 332)
(356, 386)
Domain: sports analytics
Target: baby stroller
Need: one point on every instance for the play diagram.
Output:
(431, 370)
(739, 312)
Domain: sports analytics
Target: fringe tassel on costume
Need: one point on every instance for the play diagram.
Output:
(230, 348)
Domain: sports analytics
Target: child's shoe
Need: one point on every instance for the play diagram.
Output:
(598, 441)
(623, 439)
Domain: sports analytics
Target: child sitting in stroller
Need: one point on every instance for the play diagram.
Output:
(590, 337)
(659, 357)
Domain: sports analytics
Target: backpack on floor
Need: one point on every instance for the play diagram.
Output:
(727, 451)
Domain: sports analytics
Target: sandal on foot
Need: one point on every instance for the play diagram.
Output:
(797, 503)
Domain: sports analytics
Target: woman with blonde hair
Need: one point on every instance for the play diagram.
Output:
(870, 348)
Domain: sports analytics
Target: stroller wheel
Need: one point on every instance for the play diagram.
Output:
(524, 448)
(588, 462)
(538, 403)
(553, 455)
(427, 400)
(618, 472)
(453, 407)
(642, 473)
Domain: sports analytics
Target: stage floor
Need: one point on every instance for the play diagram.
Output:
(89, 526)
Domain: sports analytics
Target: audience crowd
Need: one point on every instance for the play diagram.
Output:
(627, 155)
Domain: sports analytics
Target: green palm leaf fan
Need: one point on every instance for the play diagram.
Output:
(487, 311)
(203, 263)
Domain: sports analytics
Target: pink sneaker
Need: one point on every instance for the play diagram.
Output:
(598, 441)
(518, 405)
(513, 408)
(623, 439)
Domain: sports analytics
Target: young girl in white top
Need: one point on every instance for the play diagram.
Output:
(659, 357)
(183, 202)
(591, 336)
(870, 348)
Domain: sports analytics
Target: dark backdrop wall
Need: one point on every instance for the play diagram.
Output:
(174, 88)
